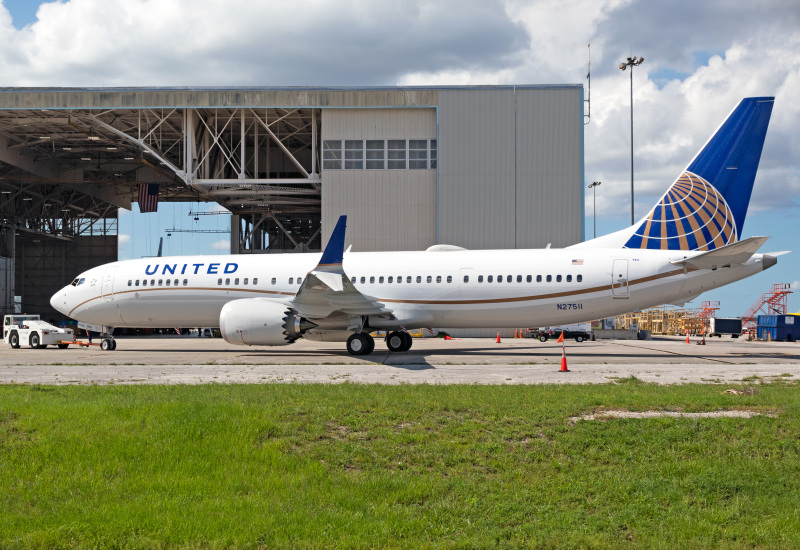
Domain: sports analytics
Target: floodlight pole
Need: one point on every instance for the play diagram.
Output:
(593, 187)
(631, 62)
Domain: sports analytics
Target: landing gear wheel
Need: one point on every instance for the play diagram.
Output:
(543, 338)
(13, 339)
(396, 341)
(370, 343)
(34, 341)
(113, 344)
(409, 341)
(360, 344)
(63, 346)
(107, 344)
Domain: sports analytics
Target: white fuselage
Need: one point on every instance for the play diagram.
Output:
(422, 289)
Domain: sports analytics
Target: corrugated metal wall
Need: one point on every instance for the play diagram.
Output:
(387, 209)
(511, 167)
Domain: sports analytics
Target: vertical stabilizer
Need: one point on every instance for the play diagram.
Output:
(705, 207)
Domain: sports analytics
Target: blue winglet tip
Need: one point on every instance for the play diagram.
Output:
(334, 251)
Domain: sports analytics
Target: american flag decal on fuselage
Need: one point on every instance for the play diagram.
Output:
(692, 215)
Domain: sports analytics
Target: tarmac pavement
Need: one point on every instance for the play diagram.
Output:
(192, 360)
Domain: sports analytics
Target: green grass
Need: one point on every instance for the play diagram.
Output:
(354, 466)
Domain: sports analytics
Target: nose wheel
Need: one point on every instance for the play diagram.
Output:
(360, 343)
(108, 344)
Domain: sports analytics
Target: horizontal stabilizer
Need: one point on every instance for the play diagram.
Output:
(732, 254)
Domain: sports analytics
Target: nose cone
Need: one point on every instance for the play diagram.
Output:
(59, 301)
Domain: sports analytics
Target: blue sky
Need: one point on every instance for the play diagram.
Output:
(698, 64)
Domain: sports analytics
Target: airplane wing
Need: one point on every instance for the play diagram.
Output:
(327, 289)
(725, 256)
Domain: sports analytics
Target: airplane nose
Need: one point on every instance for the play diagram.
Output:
(57, 301)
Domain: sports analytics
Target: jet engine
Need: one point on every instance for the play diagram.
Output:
(259, 321)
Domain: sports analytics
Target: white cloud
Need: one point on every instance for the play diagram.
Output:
(796, 285)
(698, 63)
(220, 245)
(123, 239)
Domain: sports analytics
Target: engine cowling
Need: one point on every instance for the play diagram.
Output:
(259, 321)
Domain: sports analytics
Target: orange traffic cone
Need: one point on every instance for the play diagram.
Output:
(563, 360)
(498, 336)
(687, 337)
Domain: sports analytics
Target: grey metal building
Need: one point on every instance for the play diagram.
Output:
(479, 167)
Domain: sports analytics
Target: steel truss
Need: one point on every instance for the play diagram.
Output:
(60, 166)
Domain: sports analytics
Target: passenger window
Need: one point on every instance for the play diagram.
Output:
(419, 279)
(219, 282)
(130, 283)
(245, 280)
(558, 278)
(549, 278)
(236, 281)
(580, 278)
(160, 282)
(438, 278)
(168, 282)
(489, 279)
(255, 281)
(291, 280)
(390, 279)
(569, 278)
(519, 278)
(408, 279)
(152, 282)
(499, 278)
(363, 280)
(372, 280)
(529, 278)
(299, 280)
(509, 279)
(227, 282)
(274, 280)
(176, 282)
(380, 279)
(466, 278)
(449, 278)
(144, 282)
(353, 280)
(137, 282)
(399, 279)
(429, 279)
(480, 278)
(185, 282)
(538, 278)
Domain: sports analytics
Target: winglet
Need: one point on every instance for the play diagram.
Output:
(334, 252)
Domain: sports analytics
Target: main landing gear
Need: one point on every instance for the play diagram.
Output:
(399, 341)
(361, 343)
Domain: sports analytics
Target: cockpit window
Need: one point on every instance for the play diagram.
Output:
(78, 281)
(81, 281)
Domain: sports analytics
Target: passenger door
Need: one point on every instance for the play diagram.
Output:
(107, 284)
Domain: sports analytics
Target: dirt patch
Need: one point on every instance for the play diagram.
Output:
(602, 415)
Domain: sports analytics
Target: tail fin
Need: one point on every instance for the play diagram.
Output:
(705, 208)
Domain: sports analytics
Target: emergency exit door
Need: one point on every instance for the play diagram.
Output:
(619, 279)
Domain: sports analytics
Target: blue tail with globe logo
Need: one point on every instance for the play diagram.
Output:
(706, 206)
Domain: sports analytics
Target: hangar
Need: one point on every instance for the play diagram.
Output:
(475, 166)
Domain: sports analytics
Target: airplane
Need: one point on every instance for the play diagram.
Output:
(687, 244)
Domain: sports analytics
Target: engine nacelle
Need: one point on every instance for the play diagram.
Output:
(259, 321)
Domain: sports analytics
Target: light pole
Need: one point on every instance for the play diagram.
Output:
(593, 187)
(631, 62)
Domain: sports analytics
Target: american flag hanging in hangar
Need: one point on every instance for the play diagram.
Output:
(148, 197)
